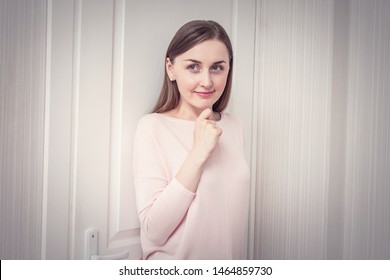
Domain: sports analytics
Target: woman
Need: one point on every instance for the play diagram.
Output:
(191, 177)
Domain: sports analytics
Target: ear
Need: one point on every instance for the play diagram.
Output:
(169, 68)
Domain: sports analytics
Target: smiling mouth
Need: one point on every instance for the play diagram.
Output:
(204, 93)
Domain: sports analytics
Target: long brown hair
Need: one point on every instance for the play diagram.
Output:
(189, 35)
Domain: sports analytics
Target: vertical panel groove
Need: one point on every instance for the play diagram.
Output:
(46, 130)
(255, 151)
(337, 162)
(77, 30)
(114, 213)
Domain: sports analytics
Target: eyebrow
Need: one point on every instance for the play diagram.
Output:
(199, 62)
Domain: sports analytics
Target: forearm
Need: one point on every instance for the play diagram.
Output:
(164, 213)
(161, 216)
(190, 172)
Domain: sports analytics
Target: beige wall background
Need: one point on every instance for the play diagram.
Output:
(322, 156)
(312, 85)
(22, 96)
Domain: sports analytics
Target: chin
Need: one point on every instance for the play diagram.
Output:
(201, 108)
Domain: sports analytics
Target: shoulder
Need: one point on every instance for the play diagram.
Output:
(150, 121)
(158, 125)
(148, 124)
(147, 120)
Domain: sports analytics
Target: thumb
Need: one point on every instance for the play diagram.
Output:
(206, 114)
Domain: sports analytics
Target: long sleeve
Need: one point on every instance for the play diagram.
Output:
(162, 202)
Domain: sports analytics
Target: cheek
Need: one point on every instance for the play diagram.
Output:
(220, 82)
(186, 83)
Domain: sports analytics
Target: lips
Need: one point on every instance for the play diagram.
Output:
(204, 93)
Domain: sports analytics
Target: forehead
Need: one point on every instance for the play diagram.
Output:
(209, 50)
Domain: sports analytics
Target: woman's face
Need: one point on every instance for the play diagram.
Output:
(201, 74)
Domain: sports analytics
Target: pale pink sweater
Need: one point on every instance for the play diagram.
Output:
(175, 222)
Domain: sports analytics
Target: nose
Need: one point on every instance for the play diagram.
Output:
(206, 80)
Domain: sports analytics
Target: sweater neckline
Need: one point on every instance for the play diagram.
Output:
(184, 121)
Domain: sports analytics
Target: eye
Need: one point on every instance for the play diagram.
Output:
(217, 68)
(193, 67)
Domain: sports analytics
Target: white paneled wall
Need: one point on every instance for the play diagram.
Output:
(22, 82)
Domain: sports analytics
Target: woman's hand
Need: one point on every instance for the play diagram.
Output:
(206, 135)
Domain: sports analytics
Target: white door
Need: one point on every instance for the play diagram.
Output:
(104, 71)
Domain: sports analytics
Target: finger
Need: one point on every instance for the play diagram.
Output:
(206, 114)
(219, 130)
(215, 128)
(214, 123)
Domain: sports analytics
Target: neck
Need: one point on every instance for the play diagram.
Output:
(191, 115)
